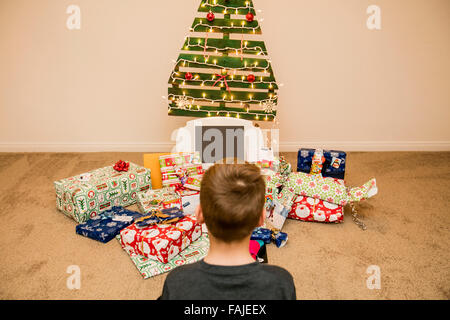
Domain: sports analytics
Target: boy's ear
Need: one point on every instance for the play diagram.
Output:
(262, 218)
(199, 215)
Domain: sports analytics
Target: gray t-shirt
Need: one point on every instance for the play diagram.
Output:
(254, 281)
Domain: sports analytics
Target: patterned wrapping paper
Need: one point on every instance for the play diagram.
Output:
(108, 224)
(86, 195)
(327, 189)
(158, 199)
(148, 268)
(310, 209)
(333, 167)
(161, 242)
(268, 235)
(278, 205)
(178, 169)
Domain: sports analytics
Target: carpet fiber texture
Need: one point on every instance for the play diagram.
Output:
(407, 234)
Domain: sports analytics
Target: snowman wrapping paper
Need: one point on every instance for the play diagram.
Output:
(161, 242)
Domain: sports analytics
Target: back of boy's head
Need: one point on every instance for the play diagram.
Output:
(232, 198)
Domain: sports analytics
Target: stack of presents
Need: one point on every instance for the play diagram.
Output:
(164, 234)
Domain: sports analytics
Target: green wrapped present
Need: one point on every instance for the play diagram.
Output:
(85, 196)
(158, 199)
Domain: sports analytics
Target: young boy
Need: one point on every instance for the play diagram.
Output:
(231, 205)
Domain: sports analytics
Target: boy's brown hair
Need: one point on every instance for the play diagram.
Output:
(232, 198)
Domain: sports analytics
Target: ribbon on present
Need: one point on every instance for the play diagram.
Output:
(121, 166)
(186, 181)
(164, 216)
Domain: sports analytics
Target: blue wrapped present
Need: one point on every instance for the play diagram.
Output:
(333, 167)
(108, 224)
(267, 236)
(262, 234)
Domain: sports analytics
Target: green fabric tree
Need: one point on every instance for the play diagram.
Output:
(223, 70)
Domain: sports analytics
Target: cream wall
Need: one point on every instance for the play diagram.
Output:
(100, 88)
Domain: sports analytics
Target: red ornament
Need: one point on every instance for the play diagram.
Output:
(250, 17)
(210, 16)
(251, 78)
(188, 76)
(121, 166)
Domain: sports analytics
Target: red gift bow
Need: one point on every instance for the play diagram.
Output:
(121, 166)
(224, 80)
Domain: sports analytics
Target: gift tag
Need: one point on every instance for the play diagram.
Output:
(336, 162)
(123, 218)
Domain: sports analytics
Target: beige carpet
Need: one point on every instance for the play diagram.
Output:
(407, 235)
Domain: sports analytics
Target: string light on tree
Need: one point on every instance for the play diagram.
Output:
(218, 76)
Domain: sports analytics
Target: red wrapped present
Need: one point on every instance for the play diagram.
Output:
(310, 209)
(161, 242)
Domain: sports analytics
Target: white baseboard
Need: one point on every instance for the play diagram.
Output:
(350, 146)
(366, 146)
(87, 147)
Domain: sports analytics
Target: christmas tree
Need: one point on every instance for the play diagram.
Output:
(223, 68)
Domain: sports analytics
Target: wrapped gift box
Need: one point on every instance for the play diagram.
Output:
(148, 268)
(278, 204)
(327, 189)
(158, 199)
(108, 224)
(85, 196)
(267, 236)
(310, 209)
(161, 242)
(181, 170)
(333, 167)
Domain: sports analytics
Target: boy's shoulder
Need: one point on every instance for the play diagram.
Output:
(268, 271)
(273, 269)
(181, 271)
